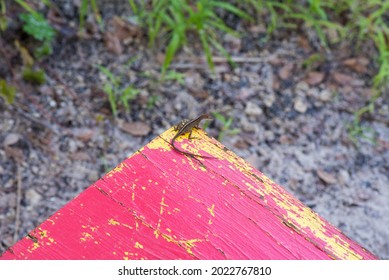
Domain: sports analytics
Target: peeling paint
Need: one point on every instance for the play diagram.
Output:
(212, 210)
(117, 169)
(218, 208)
(113, 222)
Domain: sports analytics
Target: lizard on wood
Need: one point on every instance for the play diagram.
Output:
(186, 126)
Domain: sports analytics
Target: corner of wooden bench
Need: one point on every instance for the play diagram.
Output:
(161, 204)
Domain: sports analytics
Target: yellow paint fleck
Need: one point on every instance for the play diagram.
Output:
(86, 236)
(212, 210)
(33, 247)
(127, 226)
(309, 222)
(113, 222)
(158, 144)
(260, 191)
(118, 168)
(163, 204)
(157, 231)
(138, 245)
(202, 168)
(195, 199)
(238, 163)
(191, 162)
(129, 255)
(187, 244)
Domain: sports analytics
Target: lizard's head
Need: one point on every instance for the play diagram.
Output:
(206, 116)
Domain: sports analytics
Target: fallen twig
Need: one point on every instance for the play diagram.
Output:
(202, 63)
(38, 122)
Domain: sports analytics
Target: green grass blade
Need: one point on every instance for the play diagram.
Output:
(171, 50)
(83, 12)
(223, 51)
(207, 50)
(229, 7)
(109, 74)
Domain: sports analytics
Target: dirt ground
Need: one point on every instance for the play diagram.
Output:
(60, 137)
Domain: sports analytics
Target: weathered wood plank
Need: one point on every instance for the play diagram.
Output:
(159, 204)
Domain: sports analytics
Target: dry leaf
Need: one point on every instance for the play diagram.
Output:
(83, 134)
(124, 30)
(10, 139)
(314, 78)
(358, 64)
(241, 144)
(112, 43)
(198, 92)
(304, 43)
(257, 29)
(342, 79)
(276, 83)
(328, 178)
(136, 128)
(80, 156)
(15, 153)
(121, 32)
(285, 71)
(347, 80)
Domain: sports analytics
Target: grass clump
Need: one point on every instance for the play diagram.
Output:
(117, 91)
(7, 91)
(86, 6)
(171, 21)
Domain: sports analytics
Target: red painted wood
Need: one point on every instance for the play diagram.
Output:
(159, 204)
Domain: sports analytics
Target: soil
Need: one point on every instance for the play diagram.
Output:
(292, 119)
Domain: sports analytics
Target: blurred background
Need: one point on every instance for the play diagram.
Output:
(297, 88)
